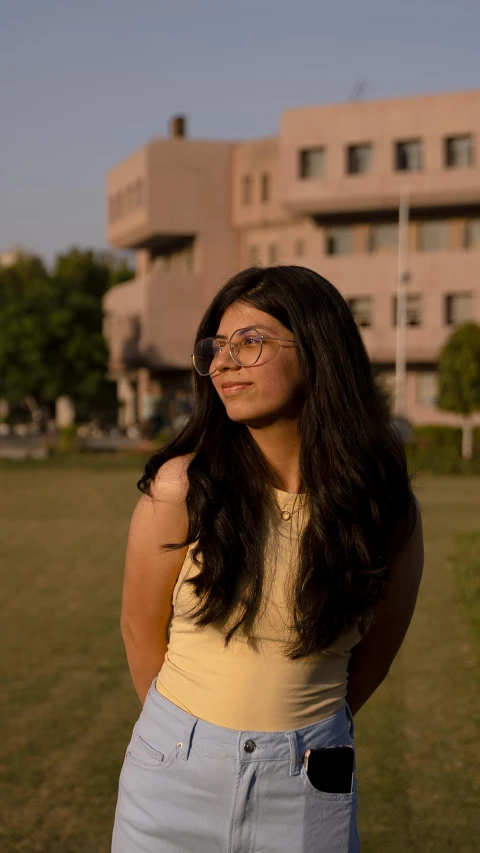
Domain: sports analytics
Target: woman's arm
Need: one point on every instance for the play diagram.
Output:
(151, 574)
(372, 657)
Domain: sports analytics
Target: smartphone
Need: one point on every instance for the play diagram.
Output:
(331, 769)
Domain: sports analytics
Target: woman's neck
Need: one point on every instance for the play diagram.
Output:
(280, 444)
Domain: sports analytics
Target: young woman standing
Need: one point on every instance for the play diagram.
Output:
(272, 569)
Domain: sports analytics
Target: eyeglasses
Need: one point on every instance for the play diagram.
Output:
(245, 345)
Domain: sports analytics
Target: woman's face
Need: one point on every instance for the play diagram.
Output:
(274, 388)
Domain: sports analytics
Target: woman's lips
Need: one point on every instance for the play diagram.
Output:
(235, 389)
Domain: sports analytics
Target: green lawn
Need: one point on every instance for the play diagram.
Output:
(68, 705)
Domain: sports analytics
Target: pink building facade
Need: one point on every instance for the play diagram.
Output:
(324, 194)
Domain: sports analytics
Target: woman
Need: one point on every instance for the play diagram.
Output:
(276, 552)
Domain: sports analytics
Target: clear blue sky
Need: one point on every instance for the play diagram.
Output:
(82, 84)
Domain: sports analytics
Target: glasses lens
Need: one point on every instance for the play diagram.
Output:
(204, 353)
(246, 346)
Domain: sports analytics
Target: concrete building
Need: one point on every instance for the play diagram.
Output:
(324, 193)
(10, 257)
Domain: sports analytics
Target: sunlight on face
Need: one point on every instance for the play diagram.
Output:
(274, 386)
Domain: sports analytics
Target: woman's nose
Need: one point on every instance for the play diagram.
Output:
(224, 359)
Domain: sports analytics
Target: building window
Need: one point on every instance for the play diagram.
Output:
(426, 389)
(413, 310)
(459, 151)
(408, 155)
(384, 237)
(254, 256)
(299, 247)
(139, 193)
(120, 204)
(312, 163)
(432, 235)
(362, 310)
(359, 159)
(112, 208)
(472, 233)
(458, 308)
(247, 189)
(129, 198)
(272, 253)
(338, 240)
(265, 187)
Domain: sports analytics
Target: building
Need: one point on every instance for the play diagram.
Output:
(10, 257)
(324, 193)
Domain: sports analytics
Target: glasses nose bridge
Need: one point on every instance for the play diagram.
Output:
(224, 351)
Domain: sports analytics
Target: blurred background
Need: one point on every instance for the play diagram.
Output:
(148, 152)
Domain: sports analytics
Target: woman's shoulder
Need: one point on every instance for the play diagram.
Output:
(171, 480)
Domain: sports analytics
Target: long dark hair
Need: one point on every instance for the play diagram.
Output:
(352, 467)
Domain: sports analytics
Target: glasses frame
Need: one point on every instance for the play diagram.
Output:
(224, 340)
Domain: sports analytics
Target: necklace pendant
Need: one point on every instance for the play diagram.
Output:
(286, 515)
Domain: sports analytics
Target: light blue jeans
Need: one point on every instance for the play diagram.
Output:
(188, 786)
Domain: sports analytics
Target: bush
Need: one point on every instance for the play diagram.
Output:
(67, 440)
(438, 450)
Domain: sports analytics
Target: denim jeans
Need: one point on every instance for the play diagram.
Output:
(188, 786)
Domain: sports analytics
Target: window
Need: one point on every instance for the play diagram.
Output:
(139, 193)
(247, 189)
(458, 308)
(129, 198)
(361, 308)
(254, 256)
(265, 187)
(426, 389)
(299, 248)
(120, 204)
(408, 155)
(359, 158)
(413, 310)
(338, 240)
(312, 163)
(472, 233)
(459, 151)
(112, 208)
(432, 235)
(384, 237)
(272, 254)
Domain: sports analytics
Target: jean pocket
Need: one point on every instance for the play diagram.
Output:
(151, 746)
(326, 795)
(330, 819)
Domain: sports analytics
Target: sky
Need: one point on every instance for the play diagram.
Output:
(83, 84)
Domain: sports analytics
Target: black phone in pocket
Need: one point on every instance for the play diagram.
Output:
(331, 769)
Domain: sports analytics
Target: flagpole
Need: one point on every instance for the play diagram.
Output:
(402, 281)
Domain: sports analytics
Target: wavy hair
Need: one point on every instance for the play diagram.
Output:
(353, 472)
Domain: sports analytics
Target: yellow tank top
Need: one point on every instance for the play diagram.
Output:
(252, 685)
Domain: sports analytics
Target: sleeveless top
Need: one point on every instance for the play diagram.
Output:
(251, 684)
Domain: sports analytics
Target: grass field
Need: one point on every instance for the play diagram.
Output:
(68, 706)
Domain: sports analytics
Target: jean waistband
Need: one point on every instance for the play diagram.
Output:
(246, 745)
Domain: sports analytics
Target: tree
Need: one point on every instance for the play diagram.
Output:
(459, 379)
(26, 300)
(51, 339)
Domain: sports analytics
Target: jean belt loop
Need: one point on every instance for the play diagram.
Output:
(350, 719)
(294, 757)
(184, 745)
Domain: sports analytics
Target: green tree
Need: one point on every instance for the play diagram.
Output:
(26, 300)
(51, 339)
(459, 379)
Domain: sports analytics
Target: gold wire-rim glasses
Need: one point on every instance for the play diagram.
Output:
(222, 338)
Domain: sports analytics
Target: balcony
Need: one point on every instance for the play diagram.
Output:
(151, 322)
(185, 186)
